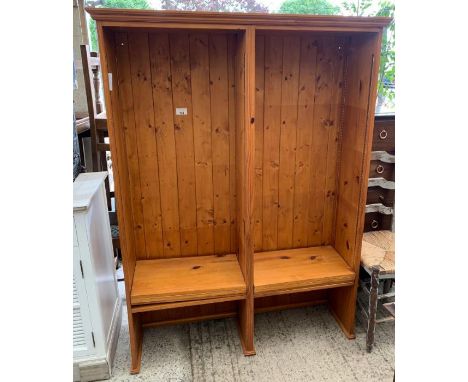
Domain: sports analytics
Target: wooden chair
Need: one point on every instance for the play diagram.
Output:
(97, 122)
(378, 262)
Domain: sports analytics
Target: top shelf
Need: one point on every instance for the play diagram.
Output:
(300, 270)
(234, 19)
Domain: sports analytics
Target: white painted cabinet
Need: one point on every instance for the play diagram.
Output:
(97, 307)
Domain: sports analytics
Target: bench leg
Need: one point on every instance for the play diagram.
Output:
(374, 290)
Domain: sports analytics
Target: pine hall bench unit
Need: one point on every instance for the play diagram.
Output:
(240, 145)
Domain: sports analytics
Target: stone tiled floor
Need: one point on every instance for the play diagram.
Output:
(302, 344)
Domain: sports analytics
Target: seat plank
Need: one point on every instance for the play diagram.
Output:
(186, 278)
(301, 269)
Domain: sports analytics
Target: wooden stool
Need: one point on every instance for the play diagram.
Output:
(378, 260)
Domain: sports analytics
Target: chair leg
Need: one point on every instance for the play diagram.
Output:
(374, 290)
(387, 285)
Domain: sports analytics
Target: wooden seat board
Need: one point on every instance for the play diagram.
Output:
(186, 278)
(300, 269)
(378, 249)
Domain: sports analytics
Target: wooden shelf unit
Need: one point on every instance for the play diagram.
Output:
(240, 147)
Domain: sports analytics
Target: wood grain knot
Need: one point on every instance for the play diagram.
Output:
(196, 267)
(313, 257)
(252, 120)
(284, 257)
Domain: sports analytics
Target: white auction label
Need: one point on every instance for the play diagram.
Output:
(181, 111)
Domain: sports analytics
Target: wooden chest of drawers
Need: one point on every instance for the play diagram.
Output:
(381, 191)
(384, 134)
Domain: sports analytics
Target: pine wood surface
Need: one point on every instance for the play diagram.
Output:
(299, 81)
(273, 154)
(300, 269)
(363, 57)
(122, 190)
(186, 278)
(182, 183)
(232, 19)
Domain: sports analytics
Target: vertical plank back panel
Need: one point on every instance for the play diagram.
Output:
(220, 140)
(271, 139)
(146, 136)
(200, 77)
(300, 96)
(164, 125)
(335, 50)
(322, 124)
(182, 97)
(305, 113)
(259, 117)
(181, 168)
(288, 135)
(232, 47)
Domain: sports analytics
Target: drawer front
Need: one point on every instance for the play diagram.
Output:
(380, 169)
(380, 195)
(375, 221)
(384, 134)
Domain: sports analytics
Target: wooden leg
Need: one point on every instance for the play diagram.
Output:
(342, 304)
(246, 325)
(80, 144)
(374, 291)
(136, 341)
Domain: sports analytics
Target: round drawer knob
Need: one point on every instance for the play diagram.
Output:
(383, 134)
(379, 169)
(374, 224)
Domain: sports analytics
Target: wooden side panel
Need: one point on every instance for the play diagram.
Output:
(245, 147)
(220, 140)
(360, 94)
(164, 124)
(125, 96)
(122, 180)
(182, 97)
(357, 130)
(146, 138)
(289, 106)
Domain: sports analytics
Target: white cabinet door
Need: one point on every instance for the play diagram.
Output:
(83, 342)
